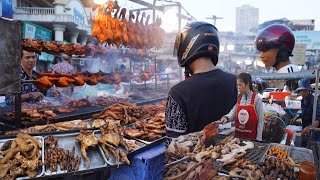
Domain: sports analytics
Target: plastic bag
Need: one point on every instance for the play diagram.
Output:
(273, 109)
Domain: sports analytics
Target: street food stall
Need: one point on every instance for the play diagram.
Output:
(69, 137)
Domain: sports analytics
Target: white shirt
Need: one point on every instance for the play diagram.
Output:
(290, 68)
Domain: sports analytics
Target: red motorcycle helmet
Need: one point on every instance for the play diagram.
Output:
(275, 36)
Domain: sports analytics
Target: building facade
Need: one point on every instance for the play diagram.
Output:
(247, 19)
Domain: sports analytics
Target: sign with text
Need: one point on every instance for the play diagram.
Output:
(299, 54)
(309, 38)
(34, 31)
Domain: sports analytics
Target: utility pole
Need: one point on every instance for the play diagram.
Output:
(214, 18)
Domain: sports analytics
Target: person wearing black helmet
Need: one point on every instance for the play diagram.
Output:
(207, 93)
(275, 44)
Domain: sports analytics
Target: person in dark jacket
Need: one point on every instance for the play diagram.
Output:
(207, 93)
(305, 90)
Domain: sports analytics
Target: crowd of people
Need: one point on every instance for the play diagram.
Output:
(210, 95)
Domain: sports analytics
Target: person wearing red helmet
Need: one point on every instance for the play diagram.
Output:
(207, 93)
(275, 44)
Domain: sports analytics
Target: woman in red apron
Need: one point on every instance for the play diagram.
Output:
(248, 113)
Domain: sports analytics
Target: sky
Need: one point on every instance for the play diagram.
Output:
(268, 10)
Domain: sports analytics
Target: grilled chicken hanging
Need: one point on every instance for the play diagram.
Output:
(51, 47)
(160, 34)
(149, 28)
(32, 45)
(123, 27)
(99, 26)
(117, 36)
(131, 33)
(144, 32)
(79, 50)
(45, 82)
(67, 48)
(137, 31)
(96, 28)
(64, 82)
(79, 79)
(109, 33)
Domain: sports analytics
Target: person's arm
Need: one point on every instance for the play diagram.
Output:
(231, 116)
(176, 119)
(260, 113)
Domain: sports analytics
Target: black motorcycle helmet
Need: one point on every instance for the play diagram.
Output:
(276, 36)
(195, 40)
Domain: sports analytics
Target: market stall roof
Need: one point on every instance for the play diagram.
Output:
(285, 76)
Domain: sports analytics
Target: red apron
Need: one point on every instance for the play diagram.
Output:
(246, 120)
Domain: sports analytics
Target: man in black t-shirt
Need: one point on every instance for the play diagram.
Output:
(207, 93)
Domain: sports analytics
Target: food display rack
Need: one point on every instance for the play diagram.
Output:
(144, 160)
(83, 113)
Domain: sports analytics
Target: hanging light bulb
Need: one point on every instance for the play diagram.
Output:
(100, 1)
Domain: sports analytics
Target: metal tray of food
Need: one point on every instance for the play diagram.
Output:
(301, 154)
(67, 141)
(258, 152)
(111, 159)
(41, 170)
(281, 146)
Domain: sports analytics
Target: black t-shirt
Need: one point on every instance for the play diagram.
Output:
(203, 98)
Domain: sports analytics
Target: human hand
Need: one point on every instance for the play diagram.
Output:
(36, 95)
(293, 120)
(224, 120)
(306, 131)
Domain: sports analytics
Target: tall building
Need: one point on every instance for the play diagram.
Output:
(247, 19)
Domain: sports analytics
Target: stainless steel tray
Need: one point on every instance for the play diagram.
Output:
(111, 160)
(149, 142)
(67, 141)
(301, 154)
(40, 171)
(280, 146)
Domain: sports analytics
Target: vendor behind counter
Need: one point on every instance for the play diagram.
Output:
(29, 92)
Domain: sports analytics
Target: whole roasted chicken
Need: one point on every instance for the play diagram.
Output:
(137, 31)
(32, 45)
(67, 48)
(117, 36)
(64, 82)
(110, 140)
(87, 139)
(45, 82)
(109, 33)
(131, 31)
(123, 27)
(51, 47)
